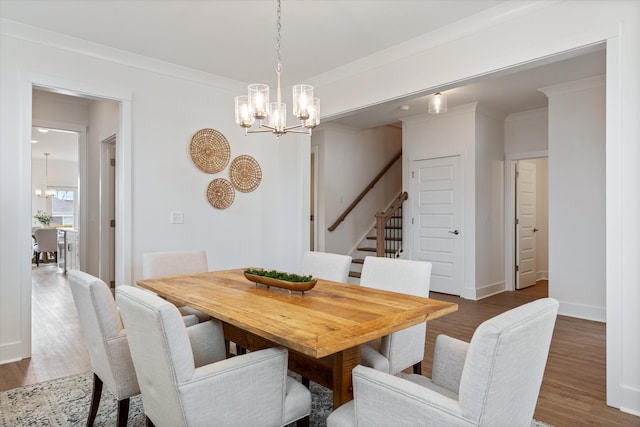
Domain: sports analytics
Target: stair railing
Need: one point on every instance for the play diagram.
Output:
(364, 192)
(389, 229)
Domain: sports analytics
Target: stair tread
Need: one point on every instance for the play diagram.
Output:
(354, 274)
(395, 239)
(364, 249)
(357, 261)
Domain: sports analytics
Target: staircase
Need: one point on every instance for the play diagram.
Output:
(391, 241)
(384, 239)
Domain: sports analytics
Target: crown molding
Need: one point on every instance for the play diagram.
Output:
(454, 31)
(17, 30)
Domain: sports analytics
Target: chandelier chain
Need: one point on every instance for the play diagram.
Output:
(278, 27)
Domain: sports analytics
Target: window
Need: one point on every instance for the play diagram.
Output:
(63, 207)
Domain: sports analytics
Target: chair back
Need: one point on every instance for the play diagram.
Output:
(160, 264)
(326, 266)
(505, 364)
(161, 352)
(104, 334)
(406, 347)
(46, 239)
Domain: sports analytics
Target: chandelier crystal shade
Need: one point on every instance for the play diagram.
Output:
(272, 116)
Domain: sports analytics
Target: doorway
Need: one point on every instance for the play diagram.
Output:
(94, 118)
(527, 220)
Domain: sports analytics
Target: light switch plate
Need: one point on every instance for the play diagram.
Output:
(177, 218)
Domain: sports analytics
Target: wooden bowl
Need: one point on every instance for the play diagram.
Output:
(284, 284)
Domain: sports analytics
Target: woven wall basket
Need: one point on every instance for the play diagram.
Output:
(220, 193)
(245, 173)
(210, 150)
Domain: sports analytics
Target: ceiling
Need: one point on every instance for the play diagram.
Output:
(236, 39)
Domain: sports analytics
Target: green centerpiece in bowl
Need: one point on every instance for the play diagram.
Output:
(279, 279)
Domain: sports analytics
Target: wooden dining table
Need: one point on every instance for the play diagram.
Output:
(322, 328)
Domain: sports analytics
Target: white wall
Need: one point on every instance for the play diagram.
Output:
(577, 197)
(489, 217)
(161, 111)
(349, 160)
(501, 40)
(526, 132)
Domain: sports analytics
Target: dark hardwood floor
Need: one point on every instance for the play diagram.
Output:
(572, 393)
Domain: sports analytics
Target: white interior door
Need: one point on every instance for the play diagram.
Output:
(525, 224)
(107, 211)
(437, 194)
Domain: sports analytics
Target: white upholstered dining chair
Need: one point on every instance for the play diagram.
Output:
(46, 241)
(492, 381)
(405, 348)
(106, 341)
(324, 265)
(180, 388)
(161, 264)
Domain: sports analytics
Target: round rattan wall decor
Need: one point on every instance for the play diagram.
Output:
(245, 173)
(210, 150)
(220, 193)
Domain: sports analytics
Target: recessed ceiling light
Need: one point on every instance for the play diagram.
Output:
(43, 130)
(33, 141)
(404, 107)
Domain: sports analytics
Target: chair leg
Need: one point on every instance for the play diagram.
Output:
(123, 412)
(95, 400)
(417, 368)
(37, 259)
(149, 423)
(305, 382)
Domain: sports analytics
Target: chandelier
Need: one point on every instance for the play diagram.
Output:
(272, 116)
(47, 193)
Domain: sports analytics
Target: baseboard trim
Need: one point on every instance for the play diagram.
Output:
(630, 402)
(581, 311)
(484, 291)
(11, 352)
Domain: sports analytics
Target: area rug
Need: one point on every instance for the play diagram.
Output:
(64, 402)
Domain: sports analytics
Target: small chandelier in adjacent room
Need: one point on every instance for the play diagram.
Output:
(256, 106)
(47, 193)
(437, 103)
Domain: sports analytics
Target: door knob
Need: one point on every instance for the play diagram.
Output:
(535, 229)
(456, 232)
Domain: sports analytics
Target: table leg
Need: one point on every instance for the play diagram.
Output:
(343, 363)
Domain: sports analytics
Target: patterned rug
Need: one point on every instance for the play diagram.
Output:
(65, 402)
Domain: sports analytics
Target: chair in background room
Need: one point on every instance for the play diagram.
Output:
(46, 242)
(106, 342)
(326, 266)
(492, 381)
(161, 264)
(399, 350)
(180, 388)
